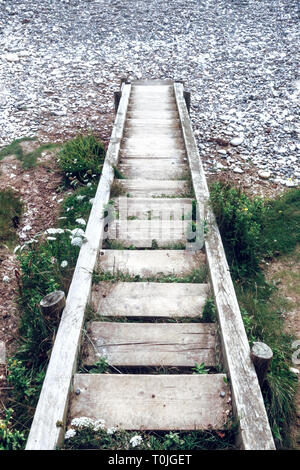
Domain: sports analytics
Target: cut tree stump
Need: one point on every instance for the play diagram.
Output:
(53, 304)
(261, 355)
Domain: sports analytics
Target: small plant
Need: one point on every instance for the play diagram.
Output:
(10, 439)
(200, 369)
(81, 159)
(209, 311)
(10, 213)
(100, 367)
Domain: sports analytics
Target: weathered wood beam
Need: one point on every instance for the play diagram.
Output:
(47, 429)
(248, 404)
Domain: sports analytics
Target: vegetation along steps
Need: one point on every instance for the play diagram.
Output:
(152, 261)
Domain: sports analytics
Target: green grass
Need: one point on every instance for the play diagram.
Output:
(81, 159)
(10, 213)
(28, 159)
(253, 229)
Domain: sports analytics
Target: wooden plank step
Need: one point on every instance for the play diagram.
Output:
(157, 123)
(149, 299)
(154, 188)
(152, 114)
(153, 402)
(143, 131)
(151, 344)
(146, 263)
(141, 233)
(156, 143)
(153, 155)
(154, 208)
(155, 105)
(146, 167)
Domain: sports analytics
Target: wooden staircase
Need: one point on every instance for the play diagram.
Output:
(147, 316)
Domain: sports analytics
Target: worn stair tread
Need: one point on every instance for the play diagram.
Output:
(154, 188)
(147, 263)
(153, 169)
(146, 208)
(142, 233)
(143, 131)
(152, 123)
(150, 344)
(153, 402)
(149, 299)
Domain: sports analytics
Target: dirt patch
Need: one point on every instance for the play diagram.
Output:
(285, 271)
(37, 188)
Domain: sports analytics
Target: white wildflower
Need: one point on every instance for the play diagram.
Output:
(89, 184)
(80, 197)
(136, 441)
(77, 232)
(76, 241)
(82, 422)
(70, 433)
(111, 430)
(64, 264)
(81, 221)
(54, 231)
(5, 279)
(99, 424)
(32, 240)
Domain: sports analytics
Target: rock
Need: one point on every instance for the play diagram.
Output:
(264, 174)
(237, 169)
(2, 353)
(237, 141)
(12, 57)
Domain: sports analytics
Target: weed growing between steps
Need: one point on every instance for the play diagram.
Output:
(252, 231)
(10, 213)
(28, 159)
(46, 264)
(85, 433)
(198, 275)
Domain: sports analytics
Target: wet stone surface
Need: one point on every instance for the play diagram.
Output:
(61, 61)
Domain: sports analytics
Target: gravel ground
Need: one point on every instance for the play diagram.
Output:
(61, 61)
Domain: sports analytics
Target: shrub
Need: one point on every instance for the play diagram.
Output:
(10, 439)
(81, 159)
